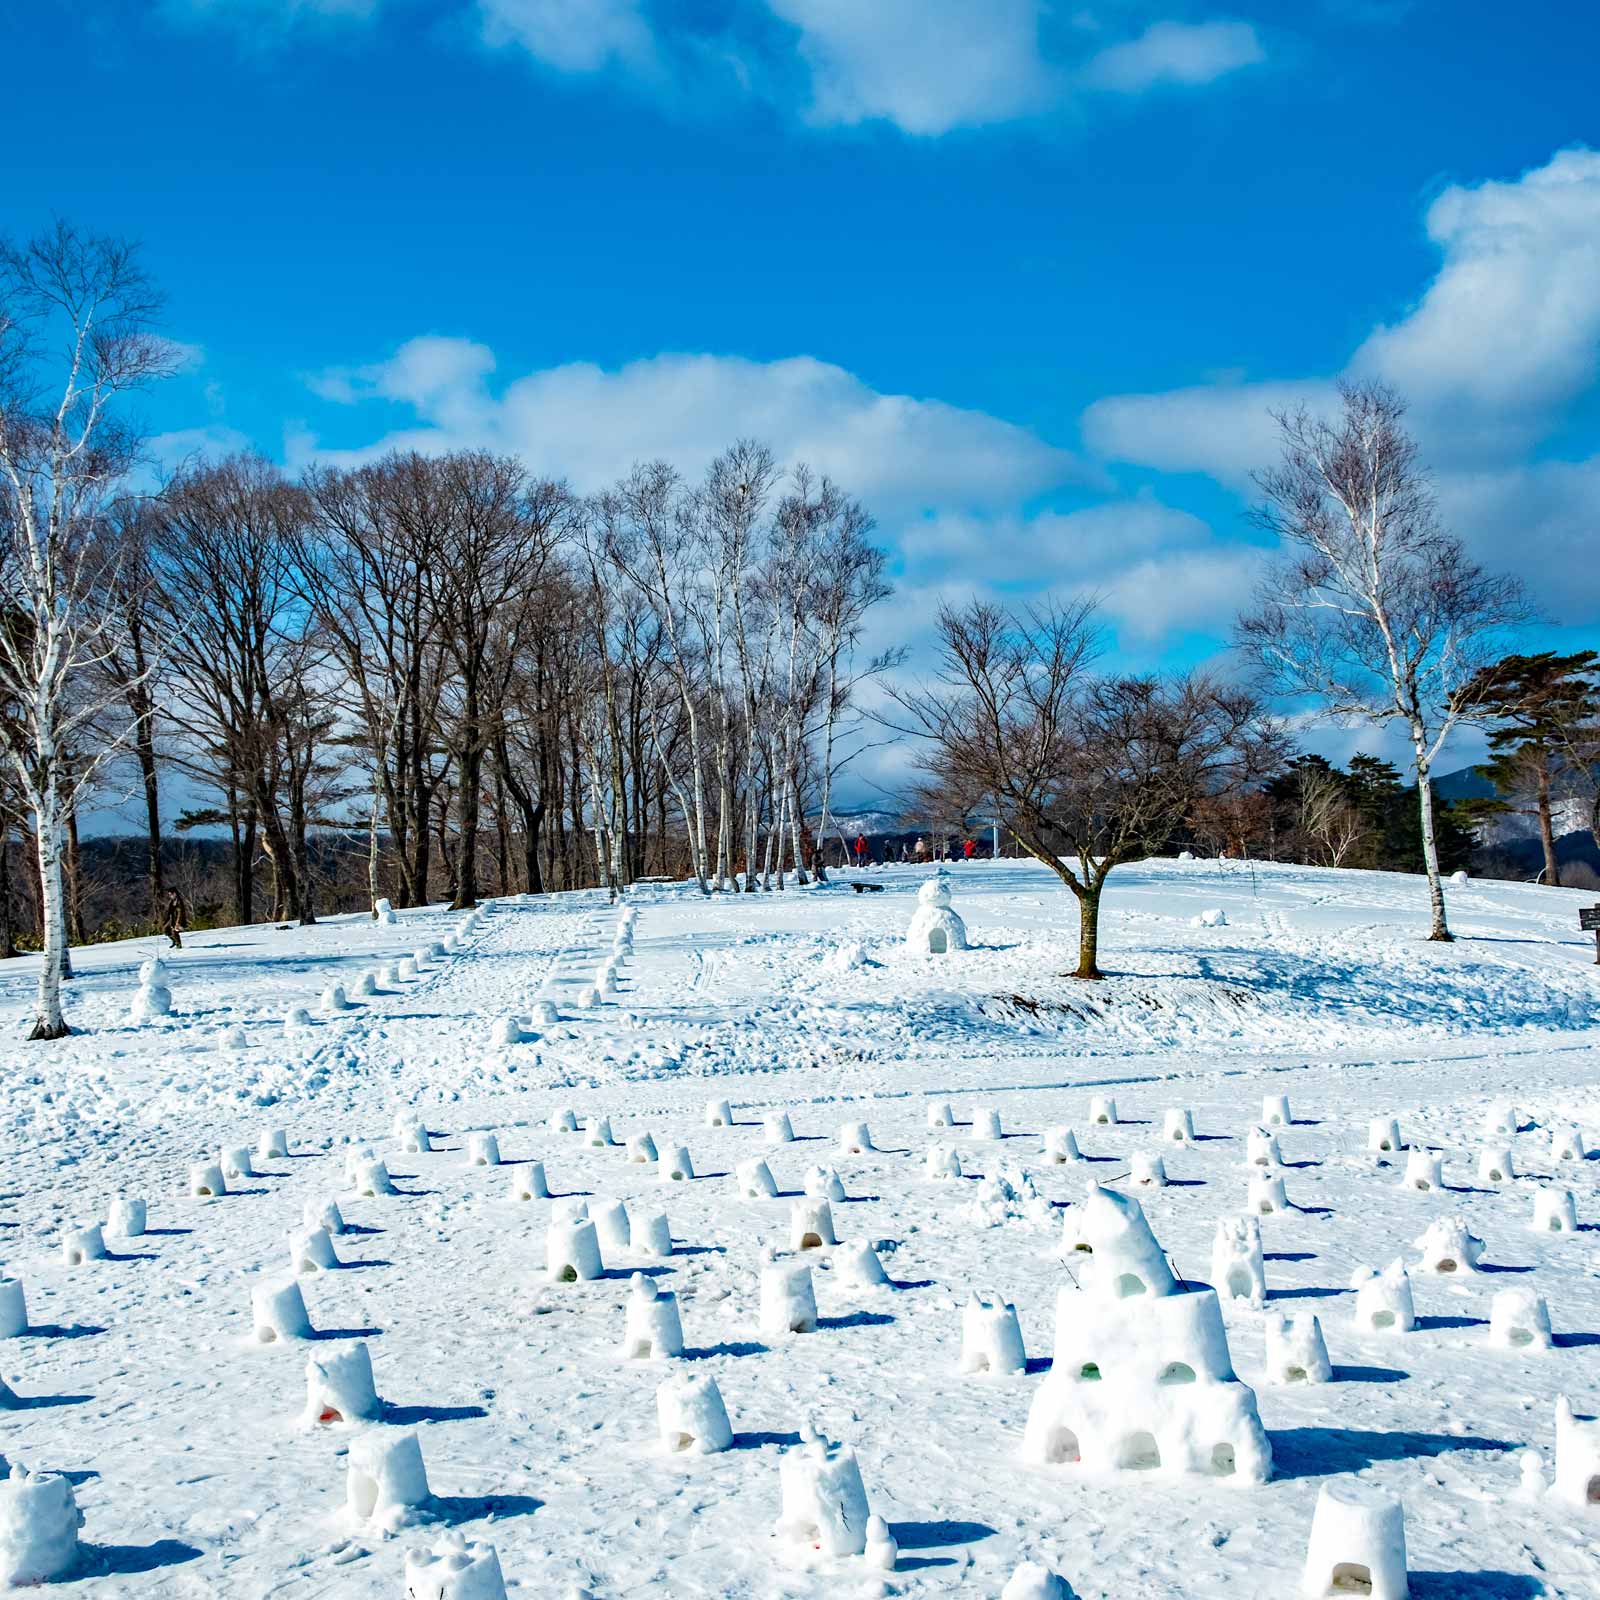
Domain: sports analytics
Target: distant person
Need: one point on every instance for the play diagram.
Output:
(861, 849)
(920, 851)
(969, 849)
(175, 919)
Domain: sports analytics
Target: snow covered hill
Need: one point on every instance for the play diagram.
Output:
(184, 1436)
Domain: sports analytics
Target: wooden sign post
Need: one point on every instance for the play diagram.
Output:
(1589, 921)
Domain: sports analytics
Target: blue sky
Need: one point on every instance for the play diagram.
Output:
(1025, 276)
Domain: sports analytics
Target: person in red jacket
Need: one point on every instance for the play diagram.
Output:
(969, 849)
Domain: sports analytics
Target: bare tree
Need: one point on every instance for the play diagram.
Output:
(1375, 609)
(64, 456)
(1327, 815)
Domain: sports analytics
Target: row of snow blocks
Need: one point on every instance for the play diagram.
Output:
(1577, 1458)
(455, 1569)
(691, 1416)
(1296, 1350)
(991, 1338)
(39, 1524)
(824, 1502)
(1238, 1267)
(1383, 1299)
(1357, 1543)
(653, 1330)
(386, 1484)
(340, 1387)
(788, 1300)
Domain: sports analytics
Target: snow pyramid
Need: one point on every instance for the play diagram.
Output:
(1296, 1350)
(1141, 1377)
(39, 1523)
(692, 1417)
(935, 929)
(386, 1484)
(1357, 1544)
(455, 1570)
(824, 1501)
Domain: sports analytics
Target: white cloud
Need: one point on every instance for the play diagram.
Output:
(1183, 53)
(1190, 591)
(899, 453)
(572, 35)
(925, 65)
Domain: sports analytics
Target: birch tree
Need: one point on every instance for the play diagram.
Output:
(1374, 609)
(76, 334)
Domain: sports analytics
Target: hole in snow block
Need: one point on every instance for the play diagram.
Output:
(1176, 1372)
(39, 1523)
(1222, 1460)
(1357, 1543)
(1061, 1447)
(1351, 1577)
(1139, 1453)
(572, 1251)
(1089, 1372)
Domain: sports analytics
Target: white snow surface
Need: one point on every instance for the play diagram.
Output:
(183, 1436)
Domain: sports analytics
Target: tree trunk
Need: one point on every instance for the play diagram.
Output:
(8, 925)
(1547, 832)
(1089, 932)
(466, 873)
(1440, 929)
(49, 1021)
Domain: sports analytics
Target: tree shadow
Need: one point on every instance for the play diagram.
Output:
(1574, 1341)
(326, 1334)
(759, 1440)
(45, 1402)
(729, 1347)
(1323, 1452)
(1289, 1255)
(128, 1560)
(1474, 1586)
(130, 1255)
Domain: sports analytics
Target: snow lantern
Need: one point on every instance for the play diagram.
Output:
(1275, 1111)
(940, 1114)
(719, 1114)
(543, 1014)
(334, 999)
(1147, 1171)
(1501, 1118)
(674, 1165)
(405, 969)
(652, 1234)
(295, 1020)
(311, 1250)
(79, 1245)
(13, 1308)
(151, 1000)
(823, 1183)
(1424, 1171)
(272, 1144)
(127, 1217)
(641, 1150)
(1031, 1581)
(1266, 1195)
(986, 1123)
(455, 1570)
(855, 1139)
(483, 1150)
(528, 1182)
(652, 1331)
(754, 1180)
(824, 1501)
(1357, 1543)
(788, 1301)
(776, 1128)
(1383, 1299)
(943, 1163)
(1577, 1458)
(1061, 1148)
(411, 1135)
(611, 1225)
(1494, 1164)
(587, 998)
(39, 1523)
(1566, 1144)
(1178, 1125)
(236, 1161)
(856, 1263)
(1237, 1265)
(1103, 1110)
(367, 984)
(1554, 1212)
(811, 1225)
(692, 1417)
(232, 1038)
(323, 1214)
(383, 911)
(991, 1337)
(386, 1484)
(1261, 1148)
(278, 1311)
(1141, 1378)
(506, 1032)
(371, 1180)
(1448, 1246)
(1296, 1350)
(339, 1387)
(572, 1251)
(935, 929)
(1383, 1136)
(1519, 1320)
(597, 1133)
(563, 1121)
(206, 1181)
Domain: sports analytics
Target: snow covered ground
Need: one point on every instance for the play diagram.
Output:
(184, 1437)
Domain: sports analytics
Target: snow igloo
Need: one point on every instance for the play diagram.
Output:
(1141, 1378)
(935, 929)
